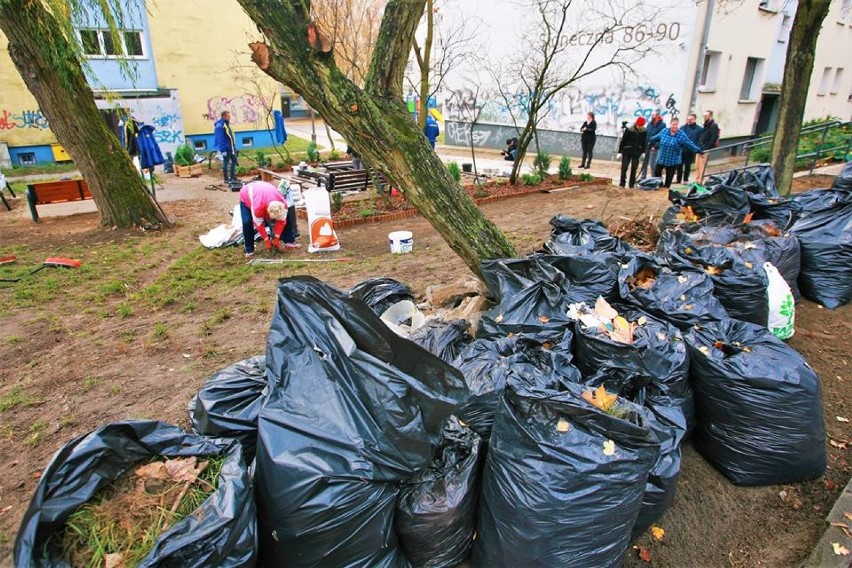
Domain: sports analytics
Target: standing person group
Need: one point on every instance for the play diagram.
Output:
(587, 139)
(223, 139)
(671, 144)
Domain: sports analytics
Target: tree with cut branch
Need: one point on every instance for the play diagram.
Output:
(44, 48)
(372, 116)
(798, 68)
(531, 80)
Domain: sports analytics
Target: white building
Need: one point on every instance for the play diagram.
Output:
(724, 55)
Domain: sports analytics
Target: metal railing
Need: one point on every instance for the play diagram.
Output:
(745, 148)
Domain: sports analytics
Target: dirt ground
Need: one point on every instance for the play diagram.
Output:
(135, 331)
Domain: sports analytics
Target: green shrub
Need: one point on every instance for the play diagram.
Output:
(565, 168)
(531, 179)
(808, 143)
(481, 193)
(241, 170)
(454, 170)
(261, 159)
(336, 201)
(184, 155)
(541, 163)
(313, 153)
(280, 165)
(586, 177)
(334, 155)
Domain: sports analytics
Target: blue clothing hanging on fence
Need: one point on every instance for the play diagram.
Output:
(149, 151)
(280, 129)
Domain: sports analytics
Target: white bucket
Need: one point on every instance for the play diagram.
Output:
(401, 242)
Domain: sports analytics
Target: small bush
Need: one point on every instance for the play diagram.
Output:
(336, 201)
(313, 153)
(454, 170)
(280, 165)
(334, 155)
(481, 192)
(565, 168)
(541, 163)
(586, 177)
(184, 155)
(531, 179)
(261, 159)
(241, 170)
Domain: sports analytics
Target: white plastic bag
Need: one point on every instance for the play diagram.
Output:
(323, 236)
(782, 306)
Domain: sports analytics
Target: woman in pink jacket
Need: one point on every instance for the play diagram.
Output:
(261, 202)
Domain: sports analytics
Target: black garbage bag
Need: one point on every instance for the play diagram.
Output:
(760, 416)
(844, 180)
(571, 236)
(488, 363)
(719, 204)
(681, 297)
(381, 293)
(677, 217)
(436, 515)
(651, 183)
(668, 423)
(756, 180)
(228, 403)
(780, 210)
(825, 233)
(563, 481)
(758, 242)
(657, 351)
(222, 531)
(740, 286)
(353, 410)
(443, 338)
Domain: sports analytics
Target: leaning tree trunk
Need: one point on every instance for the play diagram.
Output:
(59, 86)
(374, 120)
(798, 68)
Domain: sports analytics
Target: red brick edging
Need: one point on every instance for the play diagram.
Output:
(408, 213)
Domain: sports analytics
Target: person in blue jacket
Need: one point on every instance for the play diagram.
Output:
(671, 144)
(223, 140)
(431, 130)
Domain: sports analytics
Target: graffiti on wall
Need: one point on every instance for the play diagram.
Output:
(168, 128)
(244, 109)
(611, 105)
(23, 119)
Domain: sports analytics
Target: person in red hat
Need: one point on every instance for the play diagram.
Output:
(631, 149)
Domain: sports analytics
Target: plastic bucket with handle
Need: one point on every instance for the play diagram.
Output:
(401, 242)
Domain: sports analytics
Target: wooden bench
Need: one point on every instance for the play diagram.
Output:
(62, 191)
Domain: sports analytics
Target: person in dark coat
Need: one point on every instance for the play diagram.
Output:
(692, 131)
(655, 126)
(632, 146)
(708, 139)
(587, 139)
(511, 151)
(223, 139)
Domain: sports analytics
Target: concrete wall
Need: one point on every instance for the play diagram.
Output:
(833, 51)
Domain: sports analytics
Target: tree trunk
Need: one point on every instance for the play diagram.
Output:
(45, 60)
(375, 120)
(798, 69)
(523, 144)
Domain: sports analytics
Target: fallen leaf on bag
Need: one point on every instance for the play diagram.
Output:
(642, 321)
(543, 319)
(842, 419)
(609, 448)
(644, 553)
(622, 330)
(749, 265)
(683, 297)
(687, 307)
(562, 425)
(748, 218)
(687, 250)
(547, 345)
(713, 270)
(687, 214)
(839, 549)
(499, 318)
(658, 533)
(644, 278)
(704, 349)
(682, 280)
(600, 398)
(661, 336)
(749, 246)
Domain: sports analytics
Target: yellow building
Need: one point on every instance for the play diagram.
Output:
(191, 62)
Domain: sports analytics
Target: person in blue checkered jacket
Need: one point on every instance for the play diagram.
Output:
(672, 142)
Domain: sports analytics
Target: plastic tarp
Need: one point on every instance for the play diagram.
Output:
(487, 364)
(825, 233)
(657, 351)
(353, 410)
(681, 297)
(381, 293)
(228, 403)
(446, 339)
(571, 236)
(436, 515)
(740, 287)
(760, 415)
(222, 531)
(563, 481)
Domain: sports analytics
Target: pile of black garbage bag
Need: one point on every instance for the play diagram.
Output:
(349, 445)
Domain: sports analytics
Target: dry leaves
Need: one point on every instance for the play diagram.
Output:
(644, 278)
(839, 549)
(658, 533)
(543, 319)
(713, 270)
(562, 425)
(838, 445)
(641, 232)
(600, 398)
(644, 553)
(687, 215)
(748, 218)
(609, 448)
(842, 419)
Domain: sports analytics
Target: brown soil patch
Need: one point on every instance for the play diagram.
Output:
(82, 364)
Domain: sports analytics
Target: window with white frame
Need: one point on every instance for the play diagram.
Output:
(710, 71)
(100, 44)
(824, 82)
(751, 79)
(838, 81)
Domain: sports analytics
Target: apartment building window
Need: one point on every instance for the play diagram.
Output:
(248, 141)
(710, 71)
(751, 79)
(27, 158)
(100, 44)
(824, 82)
(838, 81)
